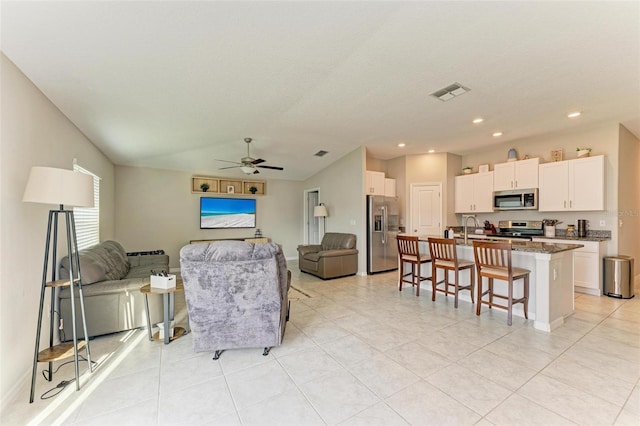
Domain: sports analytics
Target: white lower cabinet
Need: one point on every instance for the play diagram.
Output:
(587, 264)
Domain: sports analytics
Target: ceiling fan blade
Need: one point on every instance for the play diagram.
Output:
(258, 161)
(227, 161)
(271, 167)
(230, 167)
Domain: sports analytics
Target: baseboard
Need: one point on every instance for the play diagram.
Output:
(14, 391)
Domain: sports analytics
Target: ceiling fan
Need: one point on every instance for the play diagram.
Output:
(248, 164)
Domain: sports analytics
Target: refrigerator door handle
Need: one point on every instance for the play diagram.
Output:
(384, 224)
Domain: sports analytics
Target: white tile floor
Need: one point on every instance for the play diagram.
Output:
(360, 352)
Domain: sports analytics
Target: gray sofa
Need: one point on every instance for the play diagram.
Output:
(111, 286)
(336, 256)
(236, 294)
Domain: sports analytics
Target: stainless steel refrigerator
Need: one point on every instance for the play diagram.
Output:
(383, 219)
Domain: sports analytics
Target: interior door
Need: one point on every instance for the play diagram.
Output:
(312, 223)
(426, 209)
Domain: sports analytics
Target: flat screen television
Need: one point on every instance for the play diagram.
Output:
(217, 213)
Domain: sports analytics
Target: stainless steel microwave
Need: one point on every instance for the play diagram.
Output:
(516, 199)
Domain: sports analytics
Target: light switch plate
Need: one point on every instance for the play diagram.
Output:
(603, 222)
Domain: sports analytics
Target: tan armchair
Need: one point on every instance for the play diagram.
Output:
(335, 257)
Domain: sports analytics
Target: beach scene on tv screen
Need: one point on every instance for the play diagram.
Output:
(227, 213)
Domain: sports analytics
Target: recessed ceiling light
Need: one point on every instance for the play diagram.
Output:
(574, 114)
(497, 134)
(431, 151)
(402, 145)
(478, 120)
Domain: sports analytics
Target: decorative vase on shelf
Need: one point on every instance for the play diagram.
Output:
(583, 152)
(253, 189)
(467, 170)
(204, 187)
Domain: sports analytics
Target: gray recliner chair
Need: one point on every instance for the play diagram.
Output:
(336, 256)
(236, 294)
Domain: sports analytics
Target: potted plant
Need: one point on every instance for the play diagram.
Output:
(204, 187)
(583, 152)
(253, 189)
(467, 170)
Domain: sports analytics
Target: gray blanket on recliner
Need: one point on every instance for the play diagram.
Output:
(236, 294)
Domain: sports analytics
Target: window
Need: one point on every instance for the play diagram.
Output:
(88, 219)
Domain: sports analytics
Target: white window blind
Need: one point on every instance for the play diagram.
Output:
(88, 219)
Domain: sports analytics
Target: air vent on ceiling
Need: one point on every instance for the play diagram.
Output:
(450, 92)
(321, 153)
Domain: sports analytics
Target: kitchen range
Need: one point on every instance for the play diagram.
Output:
(523, 229)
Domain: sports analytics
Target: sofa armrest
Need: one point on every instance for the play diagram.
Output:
(314, 248)
(336, 253)
(152, 259)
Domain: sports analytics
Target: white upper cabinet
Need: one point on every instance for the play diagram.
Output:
(389, 187)
(554, 186)
(576, 185)
(521, 174)
(375, 183)
(474, 193)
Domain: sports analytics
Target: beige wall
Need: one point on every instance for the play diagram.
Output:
(341, 188)
(425, 168)
(603, 139)
(156, 210)
(397, 169)
(629, 196)
(34, 133)
(454, 166)
(376, 165)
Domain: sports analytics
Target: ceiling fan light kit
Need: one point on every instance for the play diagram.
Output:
(249, 165)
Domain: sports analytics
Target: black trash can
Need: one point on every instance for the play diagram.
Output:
(619, 276)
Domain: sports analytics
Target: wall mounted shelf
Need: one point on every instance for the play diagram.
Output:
(227, 186)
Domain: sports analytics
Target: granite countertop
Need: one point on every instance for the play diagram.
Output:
(587, 238)
(531, 246)
(592, 235)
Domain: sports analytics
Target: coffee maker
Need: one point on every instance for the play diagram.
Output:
(582, 228)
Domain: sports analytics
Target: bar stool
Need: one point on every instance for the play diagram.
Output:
(444, 256)
(493, 261)
(409, 252)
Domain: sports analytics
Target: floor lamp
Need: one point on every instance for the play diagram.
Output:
(321, 211)
(47, 185)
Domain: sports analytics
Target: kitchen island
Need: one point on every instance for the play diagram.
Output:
(551, 279)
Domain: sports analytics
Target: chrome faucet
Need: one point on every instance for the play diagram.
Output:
(465, 218)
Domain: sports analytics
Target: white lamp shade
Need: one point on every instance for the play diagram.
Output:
(48, 185)
(320, 211)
